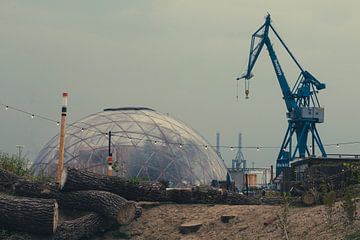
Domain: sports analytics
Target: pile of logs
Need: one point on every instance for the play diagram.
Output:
(75, 180)
(35, 209)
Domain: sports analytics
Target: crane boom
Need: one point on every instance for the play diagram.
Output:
(302, 104)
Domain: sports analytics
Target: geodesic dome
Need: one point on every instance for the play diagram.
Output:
(144, 144)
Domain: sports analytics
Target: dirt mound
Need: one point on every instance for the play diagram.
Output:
(251, 222)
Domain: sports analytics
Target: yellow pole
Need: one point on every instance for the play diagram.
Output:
(62, 138)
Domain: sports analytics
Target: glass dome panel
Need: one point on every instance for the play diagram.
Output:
(144, 143)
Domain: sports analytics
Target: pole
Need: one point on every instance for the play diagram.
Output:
(218, 144)
(19, 147)
(313, 145)
(62, 137)
(110, 157)
(247, 184)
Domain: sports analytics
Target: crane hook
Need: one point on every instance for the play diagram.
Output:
(247, 86)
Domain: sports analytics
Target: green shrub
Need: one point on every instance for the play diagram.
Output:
(138, 180)
(284, 216)
(349, 206)
(13, 164)
(329, 202)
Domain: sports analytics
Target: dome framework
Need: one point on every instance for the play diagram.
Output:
(144, 144)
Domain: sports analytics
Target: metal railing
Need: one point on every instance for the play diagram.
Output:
(342, 155)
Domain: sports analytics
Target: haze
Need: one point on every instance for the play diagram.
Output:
(178, 57)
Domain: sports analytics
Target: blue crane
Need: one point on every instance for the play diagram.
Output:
(302, 104)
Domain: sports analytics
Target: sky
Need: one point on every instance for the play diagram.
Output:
(178, 57)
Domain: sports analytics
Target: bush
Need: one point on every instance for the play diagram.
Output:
(349, 206)
(138, 180)
(329, 201)
(13, 164)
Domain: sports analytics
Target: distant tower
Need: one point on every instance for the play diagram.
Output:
(218, 144)
(239, 161)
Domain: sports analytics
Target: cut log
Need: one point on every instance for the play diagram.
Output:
(83, 227)
(309, 197)
(105, 203)
(7, 179)
(190, 227)
(148, 205)
(39, 216)
(180, 195)
(238, 199)
(226, 218)
(72, 180)
(207, 195)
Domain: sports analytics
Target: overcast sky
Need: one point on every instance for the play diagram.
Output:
(178, 57)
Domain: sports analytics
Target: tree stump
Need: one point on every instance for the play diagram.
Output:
(226, 218)
(309, 197)
(190, 227)
(39, 216)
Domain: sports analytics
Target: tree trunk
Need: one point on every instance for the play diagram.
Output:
(73, 179)
(208, 195)
(39, 216)
(238, 199)
(83, 227)
(180, 195)
(7, 179)
(105, 203)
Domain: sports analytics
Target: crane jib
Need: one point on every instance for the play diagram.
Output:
(277, 67)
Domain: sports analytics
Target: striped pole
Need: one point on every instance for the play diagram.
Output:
(62, 136)
(110, 159)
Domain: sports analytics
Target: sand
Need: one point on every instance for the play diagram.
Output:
(162, 222)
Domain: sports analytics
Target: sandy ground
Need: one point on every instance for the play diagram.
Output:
(162, 222)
